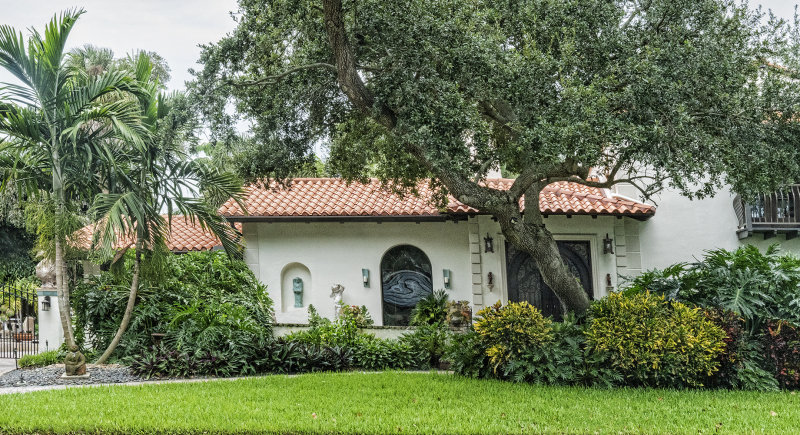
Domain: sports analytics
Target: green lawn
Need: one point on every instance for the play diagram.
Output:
(391, 403)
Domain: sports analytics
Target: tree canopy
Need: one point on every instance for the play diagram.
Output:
(687, 94)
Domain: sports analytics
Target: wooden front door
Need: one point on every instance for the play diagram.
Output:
(525, 283)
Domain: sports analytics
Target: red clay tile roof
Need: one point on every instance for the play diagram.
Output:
(318, 197)
(183, 236)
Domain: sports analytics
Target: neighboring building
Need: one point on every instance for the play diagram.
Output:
(184, 236)
(389, 251)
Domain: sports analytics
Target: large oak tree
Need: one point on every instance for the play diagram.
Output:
(684, 94)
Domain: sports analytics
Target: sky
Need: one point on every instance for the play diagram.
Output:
(172, 28)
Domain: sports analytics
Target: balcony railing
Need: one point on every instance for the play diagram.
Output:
(770, 214)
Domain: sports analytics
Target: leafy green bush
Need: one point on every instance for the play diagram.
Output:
(201, 301)
(430, 341)
(507, 330)
(653, 342)
(344, 331)
(561, 361)
(430, 310)
(757, 286)
(467, 355)
(42, 359)
(370, 353)
(16, 261)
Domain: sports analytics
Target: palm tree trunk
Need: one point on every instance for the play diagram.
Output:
(126, 318)
(62, 283)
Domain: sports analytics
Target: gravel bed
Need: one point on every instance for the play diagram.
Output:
(51, 375)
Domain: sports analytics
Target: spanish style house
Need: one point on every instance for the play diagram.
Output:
(389, 251)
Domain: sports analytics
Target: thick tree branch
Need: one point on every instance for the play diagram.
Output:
(347, 74)
(278, 77)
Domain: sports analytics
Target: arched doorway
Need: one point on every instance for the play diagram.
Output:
(405, 280)
(525, 283)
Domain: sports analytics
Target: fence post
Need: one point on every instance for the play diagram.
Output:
(50, 330)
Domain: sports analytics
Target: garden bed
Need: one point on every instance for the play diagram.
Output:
(394, 402)
(51, 375)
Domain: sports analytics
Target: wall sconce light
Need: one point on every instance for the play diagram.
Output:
(490, 281)
(488, 243)
(365, 277)
(446, 273)
(608, 245)
(46, 303)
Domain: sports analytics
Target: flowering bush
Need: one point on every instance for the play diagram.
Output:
(507, 330)
(358, 315)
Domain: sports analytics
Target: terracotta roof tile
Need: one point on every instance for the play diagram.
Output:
(183, 236)
(334, 197)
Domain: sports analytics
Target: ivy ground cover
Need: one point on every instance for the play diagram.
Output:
(393, 402)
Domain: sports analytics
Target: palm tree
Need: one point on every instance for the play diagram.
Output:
(160, 177)
(59, 123)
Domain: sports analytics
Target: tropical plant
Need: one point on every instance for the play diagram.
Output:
(160, 178)
(59, 125)
(430, 340)
(755, 285)
(653, 342)
(781, 343)
(507, 330)
(200, 302)
(430, 310)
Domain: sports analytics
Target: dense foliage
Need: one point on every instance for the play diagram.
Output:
(42, 359)
(200, 301)
(508, 330)
(683, 94)
(653, 342)
(755, 285)
(782, 344)
(754, 297)
(16, 261)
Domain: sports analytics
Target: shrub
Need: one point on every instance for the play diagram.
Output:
(561, 361)
(429, 341)
(370, 353)
(653, 342)
(507, 330)
(467, 355)
(782, 345)
(202, 301)
(430, 310)
(757, 286)
(359, 315)
(42, 359)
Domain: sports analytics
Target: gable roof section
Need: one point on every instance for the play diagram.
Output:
(184, 236)
(334, 198)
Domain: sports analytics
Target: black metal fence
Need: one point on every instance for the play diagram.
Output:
(18, 325)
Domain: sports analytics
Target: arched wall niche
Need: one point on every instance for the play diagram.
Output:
(291, 272)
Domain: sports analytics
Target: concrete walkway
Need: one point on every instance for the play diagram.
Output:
(6, 365)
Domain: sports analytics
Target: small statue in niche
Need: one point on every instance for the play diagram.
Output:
(297, 287)
(74, 362)
(336, 294)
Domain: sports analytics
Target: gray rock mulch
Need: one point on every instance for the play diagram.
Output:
(51, 375)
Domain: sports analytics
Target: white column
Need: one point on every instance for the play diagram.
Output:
(51, 334)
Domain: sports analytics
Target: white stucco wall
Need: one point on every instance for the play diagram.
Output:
(51, 334)
(335, 253)
(683, 229)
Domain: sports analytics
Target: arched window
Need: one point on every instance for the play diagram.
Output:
(405, 279)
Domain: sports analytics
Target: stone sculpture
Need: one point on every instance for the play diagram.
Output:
(46, 272)
(74, 362)
(297, 286)
(336, 294)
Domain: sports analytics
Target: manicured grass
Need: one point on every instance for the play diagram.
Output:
(391, 403)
